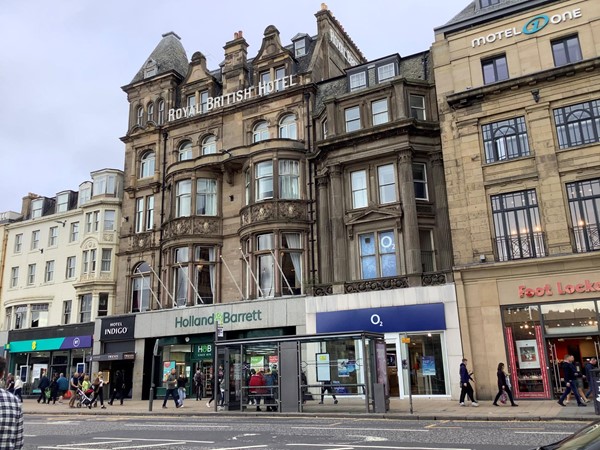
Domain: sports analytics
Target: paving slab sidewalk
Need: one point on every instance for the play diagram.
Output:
(423, 409)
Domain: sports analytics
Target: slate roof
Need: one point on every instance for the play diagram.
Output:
(169, 54)
(473, 13)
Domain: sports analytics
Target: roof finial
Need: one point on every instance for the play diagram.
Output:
(324, 7)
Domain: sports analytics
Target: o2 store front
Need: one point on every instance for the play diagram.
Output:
(186, 337)
(421, 332)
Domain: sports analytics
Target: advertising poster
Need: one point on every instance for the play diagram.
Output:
(167, 366)
(273, 361)
(527, 354)
(346, 367)
(323, 368)
(428, 365)
(257, 362)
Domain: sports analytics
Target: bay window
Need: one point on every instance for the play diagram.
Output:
(378, 254)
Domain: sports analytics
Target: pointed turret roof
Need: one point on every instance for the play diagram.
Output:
(168, 55)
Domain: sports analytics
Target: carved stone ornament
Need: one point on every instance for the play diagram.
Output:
(187, 226)
(380, 284)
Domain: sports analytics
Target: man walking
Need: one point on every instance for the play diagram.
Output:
(570, 373)
(172, 389)
(11, 417)
(465, 384)
(44, 384)
(589, 366)
(199, 382)
(73, 386)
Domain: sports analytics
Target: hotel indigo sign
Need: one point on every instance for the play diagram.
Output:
(532, 26)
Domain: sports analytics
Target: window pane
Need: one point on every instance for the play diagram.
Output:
(387, 184)
(380, 111)
(359, 189)
(352, 116)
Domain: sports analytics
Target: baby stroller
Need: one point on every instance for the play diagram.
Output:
(84, 398)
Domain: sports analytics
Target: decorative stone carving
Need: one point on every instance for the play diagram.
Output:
(379, 284)
(433, 279)
(142, 241)
(277, 210)
(322, 290)
(186, 226)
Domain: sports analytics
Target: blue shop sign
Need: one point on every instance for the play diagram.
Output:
(384, 320)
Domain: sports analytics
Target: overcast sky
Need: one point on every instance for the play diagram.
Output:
(62, 64)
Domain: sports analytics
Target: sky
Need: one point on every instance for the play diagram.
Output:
(62, 65)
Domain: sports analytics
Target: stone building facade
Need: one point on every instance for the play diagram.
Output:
(60, 276)
(281, 187)
(517, 86)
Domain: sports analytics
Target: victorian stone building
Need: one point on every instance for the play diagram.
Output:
(278, 193)
(517, 84)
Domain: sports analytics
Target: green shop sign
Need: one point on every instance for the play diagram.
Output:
(223, 318)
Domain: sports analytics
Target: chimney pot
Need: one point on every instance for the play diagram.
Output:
(236, 35)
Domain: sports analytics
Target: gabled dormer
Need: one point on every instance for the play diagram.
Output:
(301, 44)
(273, 61)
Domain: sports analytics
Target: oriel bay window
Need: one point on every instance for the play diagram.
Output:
(276, 261)
(287, 171)
(584, 203)
(206, 197)
(194, 279)
(85, 308)
(264, 180)
(39, 315)
(140, 288)
(289, 176)
(517, 227)
(378, 254)
(183, 198)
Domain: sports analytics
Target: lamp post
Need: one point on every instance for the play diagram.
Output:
(152, 385)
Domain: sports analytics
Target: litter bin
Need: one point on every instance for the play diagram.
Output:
(595, 384)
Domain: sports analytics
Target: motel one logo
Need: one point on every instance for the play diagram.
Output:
(532, 26)
(222, 318)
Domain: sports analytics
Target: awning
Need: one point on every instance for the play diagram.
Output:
(118, 356)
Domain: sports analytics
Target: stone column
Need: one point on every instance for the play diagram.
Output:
(443, 241)
(410, 229)
(323, 231)
(338, 229)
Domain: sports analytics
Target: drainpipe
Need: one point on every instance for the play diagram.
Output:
(165, 135)
(311, 167)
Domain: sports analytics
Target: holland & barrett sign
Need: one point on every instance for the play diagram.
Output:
(223, 318)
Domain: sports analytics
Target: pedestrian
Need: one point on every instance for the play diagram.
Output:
(73, 386)
(503, 386)
(182, 382)
(98, 385)
(10, 383)
(19, 388)
(63, 387)
(118, 388)
(53, 389)
(465, 384)
(589, 366)
(579, 384)
(303, 387)
(199, 382)
(172, 390)
(327, 387)
(570, 374)
(11, 417)
(256, 384)
(85, 384)
(43, 385)
(216, 391)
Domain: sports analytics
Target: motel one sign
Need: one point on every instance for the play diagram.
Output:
(232, 98)
(532, 26)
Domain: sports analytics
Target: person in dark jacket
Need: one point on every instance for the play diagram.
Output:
(570, 373)
(44, 384)
(503, 386)
(54, 390)
(118, 388)
(465, 385)
(589, 366)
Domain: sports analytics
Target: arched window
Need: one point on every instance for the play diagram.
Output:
(150, 109)
(260, 132)
(140, 116)
(140, 288)
(287, 127)
(147, 165)
(185, 151)
(209, 145)
(161, 112)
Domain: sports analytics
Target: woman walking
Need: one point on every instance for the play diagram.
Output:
(503, 386)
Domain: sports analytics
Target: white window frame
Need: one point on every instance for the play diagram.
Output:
(62, 203)
(185, 152)
(106, 260)
(386, 72)
(260, 131)
(37, 207)
(206, 188)
(417, 111)
(49, 271)
(300, 47)
(262, 176)
(352, 123)
(183, 198)
(383, 184)
(52, 236)
(209, 145)
(109, 219)
(358, 81)
(147, 164)
(360, 192)
(422, 182)
(31, 274)
(71, 267)
(380, 115)
(288, 127)
(35, 239)
(14, 276)
(18, 247)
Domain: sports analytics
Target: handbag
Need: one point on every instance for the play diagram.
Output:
(47, 393)
(503, 397)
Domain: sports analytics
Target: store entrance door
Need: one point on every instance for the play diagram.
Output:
(582, 348)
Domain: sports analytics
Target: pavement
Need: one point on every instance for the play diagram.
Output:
(422, 409)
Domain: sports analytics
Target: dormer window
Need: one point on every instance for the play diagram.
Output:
(150, 69)
(105, 185)
(300, 47)
(62, 202)
(36, 208)
(85, 193)
(486, 3)
(386, 71)
(358, 81)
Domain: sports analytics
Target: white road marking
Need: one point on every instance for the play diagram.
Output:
(183, 441)
(356, 446)
(365, 429)
(241, 448)
(172, 425)
(545, 432)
